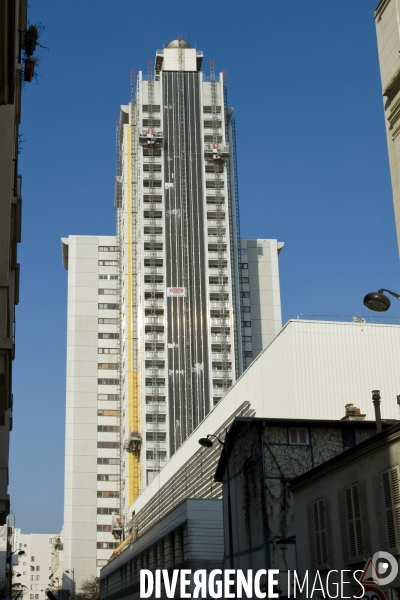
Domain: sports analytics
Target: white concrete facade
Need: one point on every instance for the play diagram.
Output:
(92, 446)
(388, 35)
(35, 565)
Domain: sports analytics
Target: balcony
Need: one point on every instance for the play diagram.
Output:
(154, 355)
(155, 391)
(158, 372)
(222, 255)
(154, 286)
(219, 288)
(219, 305)
(158, 303)
(153, 270)
(157, 237)
(154, 222)
(220, 322)
(216, 272)
(158, 426)
(150, 320)
(153, 254)
(221, 374)
(156, 337)
(219, 356)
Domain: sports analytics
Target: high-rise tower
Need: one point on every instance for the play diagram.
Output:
(189, 305)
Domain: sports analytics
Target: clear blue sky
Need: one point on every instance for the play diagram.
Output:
(313, 172)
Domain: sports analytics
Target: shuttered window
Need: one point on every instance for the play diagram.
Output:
(354, 525)
(320, 533)
(391, 494)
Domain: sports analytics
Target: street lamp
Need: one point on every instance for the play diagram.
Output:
(207, 443)
(73, 581)
(377, 301)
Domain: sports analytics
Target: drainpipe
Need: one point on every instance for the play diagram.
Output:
(376, 399)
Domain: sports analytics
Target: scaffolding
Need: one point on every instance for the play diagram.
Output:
(218, 159)
(151, 141)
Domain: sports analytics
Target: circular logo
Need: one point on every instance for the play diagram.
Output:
(386, 567)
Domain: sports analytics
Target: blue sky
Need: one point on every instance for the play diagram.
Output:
(304, 80)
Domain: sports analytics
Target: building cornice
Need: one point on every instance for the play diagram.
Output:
(383, 4)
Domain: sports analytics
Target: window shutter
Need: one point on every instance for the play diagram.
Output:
(391, 494)
(354, 525)
(320, 533)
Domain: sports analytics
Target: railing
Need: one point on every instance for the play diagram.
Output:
(155, 391)
(218, 288)
(218, 305)
(157, 372)
(151, 426)
(219, 356)
(154, 303)
(151, 320)
(155, 354)
(154, 286)
(220, 322)
(156, 408)
(155, 222)
(158, 338)
(221, 374)
(157, 237)
(223, 271)
(215, 235)
(149, 270)
(153, 254)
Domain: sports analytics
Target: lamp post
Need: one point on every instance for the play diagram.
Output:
(377, 301)
(207, 443)
(73, 581)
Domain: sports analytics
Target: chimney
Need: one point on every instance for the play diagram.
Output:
(352, 413)
(376, 399)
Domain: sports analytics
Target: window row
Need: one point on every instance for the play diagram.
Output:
(107, 396)
(107, 511)
(108, 428)
(108, 366)
(108, 336)
(108, 444)
(108, 248)
(108, 291)
(108, 494)
(107, 545)
(107, 413)
(107, 461)
(111, 277)
(108, 263)
(107, 477)
(107, 321)
(108, 306)
(108, 351)
(108, 381)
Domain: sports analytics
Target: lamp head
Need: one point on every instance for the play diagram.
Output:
(377, 302)
(205, 442)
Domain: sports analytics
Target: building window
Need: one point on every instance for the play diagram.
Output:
(298, 436)
(101, 562)
(107, 545)
(37, 568)
(108, 350)
(156, 456)
(107, 461)
(107, 511)
(248, 353)
(108, 413)
(32, 559)
(108, 381)
(108, 248)
(247, 338)
(108, 366)
(37, 577)
(105, 291)
(108, 306)
(104, 321)
(348, 438)
(108, 263)
(245, 265)
(107, 396)
(103, 527)
(108, 428)
(150, 418)
(391, 495)
(245, 294)
(320, 533)
(32, 596)
(36, 596)
(108, 336)
(107, 494)
(245, 308)
(107, 445)
(246, 323)
(107, 477)
(244, 279)
(151, 437)
(111, 277)
(23, 572)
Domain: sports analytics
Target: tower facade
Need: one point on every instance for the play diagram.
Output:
(178, 228)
